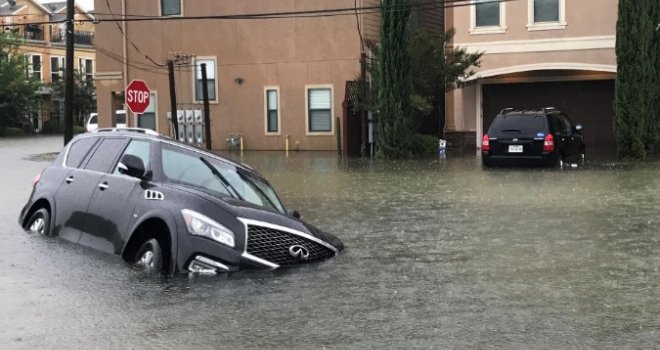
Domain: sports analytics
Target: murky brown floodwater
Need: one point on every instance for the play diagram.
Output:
(441, 254)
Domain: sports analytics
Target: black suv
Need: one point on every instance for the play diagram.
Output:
(168, 207)
(543, 137)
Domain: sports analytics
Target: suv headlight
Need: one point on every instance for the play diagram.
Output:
(200, 225)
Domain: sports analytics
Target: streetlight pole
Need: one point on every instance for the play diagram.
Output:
(68, 80)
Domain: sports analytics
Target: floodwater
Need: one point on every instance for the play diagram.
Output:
(440, 254)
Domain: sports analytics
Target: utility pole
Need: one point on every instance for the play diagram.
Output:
(68, 80)
(207, 109)
(175, 121)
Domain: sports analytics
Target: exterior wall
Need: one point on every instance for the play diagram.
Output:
(290, 54)
(580, 46)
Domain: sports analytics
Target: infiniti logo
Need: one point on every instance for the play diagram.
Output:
(299, 252)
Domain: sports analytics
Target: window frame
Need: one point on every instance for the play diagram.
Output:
(331, 132)
(215, 98)
(267, 110)
(160, 9)
(59, 72)
(499, 29)
(30, 65)
(537, 26)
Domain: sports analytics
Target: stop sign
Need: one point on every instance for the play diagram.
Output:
(138, 96)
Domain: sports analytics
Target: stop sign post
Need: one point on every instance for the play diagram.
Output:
(138, 96)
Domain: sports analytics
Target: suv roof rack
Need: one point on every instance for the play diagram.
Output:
(506, 110)
(138, 130)
(548, 109)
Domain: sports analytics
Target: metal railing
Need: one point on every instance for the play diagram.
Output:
(79, 37)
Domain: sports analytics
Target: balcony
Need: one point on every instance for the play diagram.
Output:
(33, 32)
(57, 37)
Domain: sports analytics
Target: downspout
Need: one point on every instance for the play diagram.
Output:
(125, 49)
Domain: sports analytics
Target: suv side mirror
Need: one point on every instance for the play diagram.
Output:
(579, 128)
(294, 213)
(132, 166)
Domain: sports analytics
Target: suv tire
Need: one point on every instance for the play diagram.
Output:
(39, 222)
(150, 256)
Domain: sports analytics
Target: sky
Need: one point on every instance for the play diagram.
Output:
(87, 4)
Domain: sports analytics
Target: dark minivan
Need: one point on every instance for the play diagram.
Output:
(167, 206)
(545, 137)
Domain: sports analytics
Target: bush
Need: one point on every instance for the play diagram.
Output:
(424, 145)
(12, 131)
(77, 129)
(52, 127)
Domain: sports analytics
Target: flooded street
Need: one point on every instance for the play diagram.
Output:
(440, 254)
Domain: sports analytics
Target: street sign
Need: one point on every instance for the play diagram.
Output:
(138, 96)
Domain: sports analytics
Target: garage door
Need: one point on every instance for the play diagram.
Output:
(589, 103)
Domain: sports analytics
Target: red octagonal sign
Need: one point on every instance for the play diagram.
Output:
(138, 96)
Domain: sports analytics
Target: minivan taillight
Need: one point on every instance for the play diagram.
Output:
(36, 180)
(549, 143)
(485, 143)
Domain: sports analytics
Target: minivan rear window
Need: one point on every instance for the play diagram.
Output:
(518, 124)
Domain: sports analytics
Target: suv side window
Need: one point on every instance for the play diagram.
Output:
(140, 149)
(567, 123)
(78, 150)
(106, 154)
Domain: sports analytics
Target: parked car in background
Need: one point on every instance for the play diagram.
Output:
(93, 121)
(545, 137)
(168, 206)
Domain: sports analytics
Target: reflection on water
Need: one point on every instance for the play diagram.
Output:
(440, 254)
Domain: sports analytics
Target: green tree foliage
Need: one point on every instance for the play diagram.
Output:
(437, 67)
(395, 126)
(84, 95)
(636, 89)
(18, 96)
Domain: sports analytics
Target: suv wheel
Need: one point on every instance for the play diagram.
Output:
(150, 256)
(39, 222)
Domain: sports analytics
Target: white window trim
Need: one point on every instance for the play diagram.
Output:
(136, 116)
(279, 112)
(332, 110)
(31, 67)
(533, 26)
(160, 9)
(60, 61)
(194, 79)
(474, 30)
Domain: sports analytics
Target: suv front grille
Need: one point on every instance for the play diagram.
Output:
(273, 245)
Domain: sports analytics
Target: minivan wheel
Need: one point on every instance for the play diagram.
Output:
(150, 256)
(39, 222)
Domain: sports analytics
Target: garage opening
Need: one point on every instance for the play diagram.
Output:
(589, 103)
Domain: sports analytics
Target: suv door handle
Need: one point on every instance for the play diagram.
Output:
(69, 179)
(104, 186)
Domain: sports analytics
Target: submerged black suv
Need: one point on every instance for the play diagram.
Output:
(168, 207)
(545, 137)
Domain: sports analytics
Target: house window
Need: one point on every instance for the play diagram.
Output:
(56, 68)
(87, 68)
(170, 7)
(34, 66)
(546, 14)
(487, 17)
(210, 76)
(272, 111)
(319, 110)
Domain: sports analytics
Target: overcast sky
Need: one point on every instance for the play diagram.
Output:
(87, 4)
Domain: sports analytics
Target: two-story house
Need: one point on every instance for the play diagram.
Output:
(537, 53)
(44, 47)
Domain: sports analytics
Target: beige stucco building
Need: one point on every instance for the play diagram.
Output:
(269, 78)
(44, 47)
(537, 53)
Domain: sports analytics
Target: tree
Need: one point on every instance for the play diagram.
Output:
(437, 67)
(395, 126)
(636, 114)
(18, 97)
(84, 95)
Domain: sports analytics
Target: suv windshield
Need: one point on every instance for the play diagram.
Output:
(518, 124)
(196, 170)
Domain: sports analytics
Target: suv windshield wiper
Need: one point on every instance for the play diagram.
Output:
(248, 179)
(222, 179)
